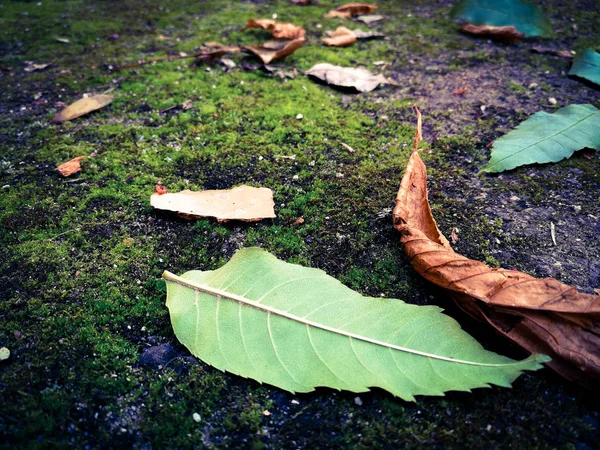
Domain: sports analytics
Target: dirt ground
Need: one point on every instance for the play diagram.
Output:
(94, 362)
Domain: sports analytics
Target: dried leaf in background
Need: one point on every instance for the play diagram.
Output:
(506, 33)
(360, 79)
(561, 53)
(279, 30)
(351, 10)
(31, 66)
(82, 107)
(265, 24)
(541, 315)
(245, 203)
(370, 18)
(274, 50)
(70, 167)
(341, 37)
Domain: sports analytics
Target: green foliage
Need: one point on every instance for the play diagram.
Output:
(297, 328)
(587, 66)
(526, 17)
(547, 138)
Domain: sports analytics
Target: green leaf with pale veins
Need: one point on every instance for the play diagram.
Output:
(298, 328)
(526, 17)
(547, 138)
(587, 66)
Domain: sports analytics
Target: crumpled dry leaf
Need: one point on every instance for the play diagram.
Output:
(562, 53)
(360, 79)
(506, 33)
(31, 66)
(280, 30)
(273, 50)
(370, 18)
(70, 167)
(82, 107)
(541, 315)
(351, 10)
(245, 203)
(341, 37)
(367, 34)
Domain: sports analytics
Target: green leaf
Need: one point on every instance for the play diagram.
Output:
(526, 17)
(298, 328)
(587, 66)
(547, 138)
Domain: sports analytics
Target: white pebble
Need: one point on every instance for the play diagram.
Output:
(552, 101)
(196, 417)
(299, 117)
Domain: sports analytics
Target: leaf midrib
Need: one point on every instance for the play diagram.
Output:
(268, 309)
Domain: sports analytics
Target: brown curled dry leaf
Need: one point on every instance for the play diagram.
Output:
(279, 30)
(341, 37)
(350, 10)
(274, 50)
(506, 33)
(82, 107)
(541, 315)
(245, 203)
(70, 167)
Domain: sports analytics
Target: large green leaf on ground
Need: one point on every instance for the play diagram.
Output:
(547, 138)
(526, 17)
(298, 328)
(587, 66)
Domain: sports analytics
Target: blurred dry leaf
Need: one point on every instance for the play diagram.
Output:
(461, 91)
(279, 30)
(341, 37)
(541, 315)
(367, 34)
(360, 79)
(245, 203)
(371, 18)
(273, 50)
(265, 24)
(31, 66)
(162, 37)
(351, 10)
(561, 53)
(82, 107)
(506, 33)
(70, 167)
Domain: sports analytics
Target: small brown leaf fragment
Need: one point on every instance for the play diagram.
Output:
(31, 66)
(360, 79)
(350, 10)
(562, 53)
(298, 221)
(159, 189)
(245, 203)
(82, 107)
(70, 167)
(370, 18)
(454, 236)
(506, 34)
(461, 91)
(284, 48)
(341, 37)
(541, 315)
(265, 24)
(288, 31)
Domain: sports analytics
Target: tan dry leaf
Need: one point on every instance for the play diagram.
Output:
(341, 37)
(82, 107)
(506, 34)
(70, 167)
(562, 53)
(245, 203)
(31, 66)
(265, 24)
(350, 10)
(360, 79)
(541, 315)
(288, 31)
(371, 18)
(280, 50)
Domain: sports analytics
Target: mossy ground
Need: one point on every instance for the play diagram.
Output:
(82, 258)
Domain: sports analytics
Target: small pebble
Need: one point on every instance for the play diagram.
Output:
(196, 417)
(552, 101)
(266, 412)
(299, 117)
(358, 401)
(295, 177)
(533, 85)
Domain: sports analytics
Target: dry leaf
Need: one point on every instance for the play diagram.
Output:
(351, 10)
(506, 34)
(70, 167)
(265, 24)
(82, 107)
(281, 49)
(360, 79)
(341, 37)
(288, 31)
(561, 53)
(367, 34)
(541, 315)
(461, 91)
(31, 66)
(159, 189)
(245, 203)
(368, 20)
